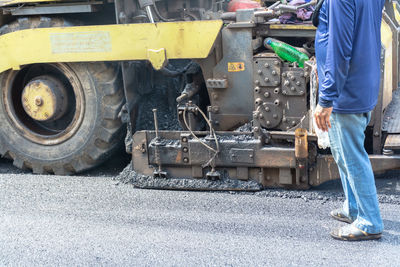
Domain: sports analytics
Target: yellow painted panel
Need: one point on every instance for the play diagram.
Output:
(387, 41)
(292, 27)
(15, 2)
(396, 12)
(191, 39)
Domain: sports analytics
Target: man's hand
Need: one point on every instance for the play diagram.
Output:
(322, 116)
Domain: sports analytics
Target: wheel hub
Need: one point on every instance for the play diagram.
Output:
(44, 99)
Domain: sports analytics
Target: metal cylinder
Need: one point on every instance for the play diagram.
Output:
(301, 143)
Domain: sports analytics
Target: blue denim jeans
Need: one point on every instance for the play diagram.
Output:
(347, 145)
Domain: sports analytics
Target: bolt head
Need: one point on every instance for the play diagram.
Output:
(266, 94)
(266, 65)
(259, 71)
(38, 101)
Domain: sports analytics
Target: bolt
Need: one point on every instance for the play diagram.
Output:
(266, 65)
(251, 156)
(268, 123)
(284, 120)
(267, 109)
(275, 116)
(306, 73)
(215, 96)
(292, 88)
(297, 83)
(184, 139)
(257, 82)
(185, 149)
(286, 83)
(185, 160)
(376, 134)
(284, 74)
(258, 101)
(256, 129)
(292, 78)
(261, 116)
(293, 123)
(283, 92)
(38, 101)
(273, 72)
(259, 71)
(266, 79)
(266, 94)
(276, 63)
(301, 92)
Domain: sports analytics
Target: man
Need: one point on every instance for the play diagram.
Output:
(348, 47)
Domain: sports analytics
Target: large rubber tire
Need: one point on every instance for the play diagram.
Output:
(100, 131)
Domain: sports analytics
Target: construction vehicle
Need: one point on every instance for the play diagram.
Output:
(74, 76)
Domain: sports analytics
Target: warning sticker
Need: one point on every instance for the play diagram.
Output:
(80, 42)
(235, 66)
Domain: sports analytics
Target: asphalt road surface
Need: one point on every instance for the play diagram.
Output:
(95, 220)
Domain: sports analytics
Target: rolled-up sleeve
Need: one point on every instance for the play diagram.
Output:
(341, 16)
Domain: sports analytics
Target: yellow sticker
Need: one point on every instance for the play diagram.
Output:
(235, 66)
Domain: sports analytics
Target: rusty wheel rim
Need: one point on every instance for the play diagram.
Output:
(44, 133)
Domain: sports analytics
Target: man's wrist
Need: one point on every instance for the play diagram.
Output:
(325, 103)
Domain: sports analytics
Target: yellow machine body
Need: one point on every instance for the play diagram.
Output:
(154, 42)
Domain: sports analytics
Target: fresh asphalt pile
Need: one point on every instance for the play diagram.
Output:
(129, 176)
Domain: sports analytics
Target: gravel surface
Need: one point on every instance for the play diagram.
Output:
(87, 220)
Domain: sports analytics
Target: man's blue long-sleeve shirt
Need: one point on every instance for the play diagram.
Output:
(348, 47)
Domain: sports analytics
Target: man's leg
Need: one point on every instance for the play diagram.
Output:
(359, 171)
(350, 205)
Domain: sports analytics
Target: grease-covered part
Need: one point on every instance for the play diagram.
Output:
(129, 176)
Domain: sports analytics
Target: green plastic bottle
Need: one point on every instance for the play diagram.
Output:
(287, 52)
